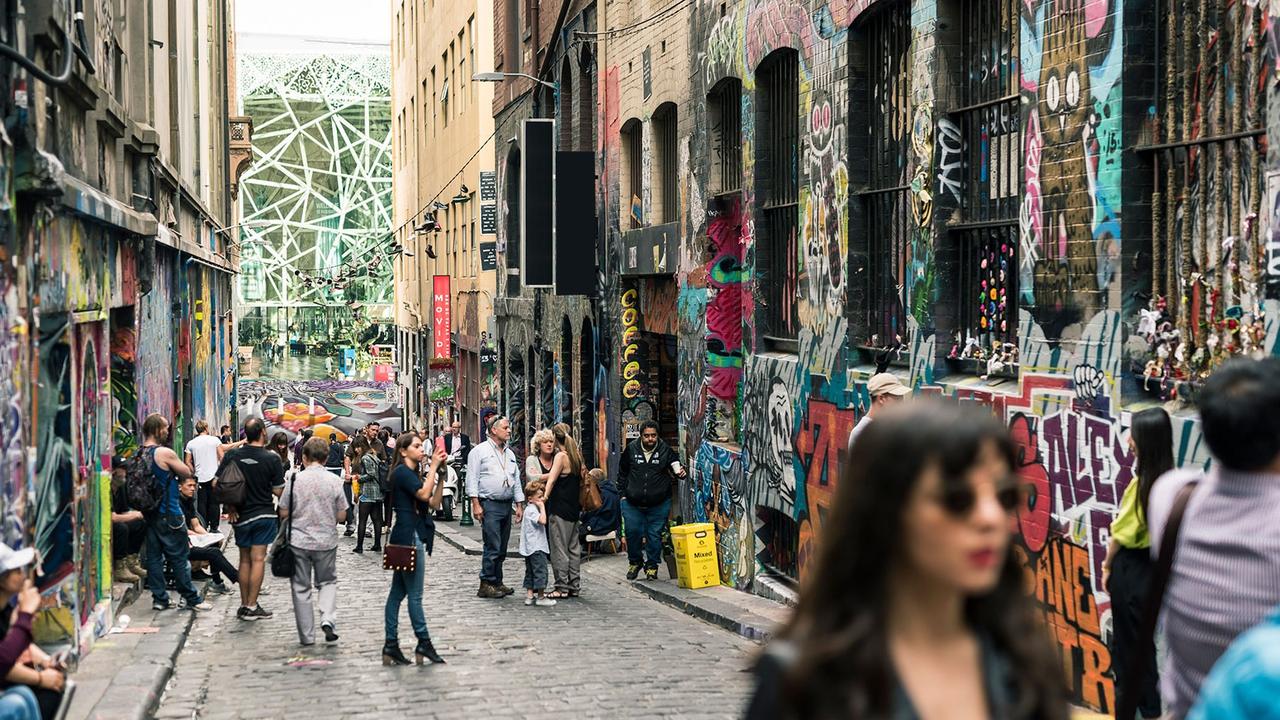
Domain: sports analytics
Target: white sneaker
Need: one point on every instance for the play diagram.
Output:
(202, 607)
(544, 602)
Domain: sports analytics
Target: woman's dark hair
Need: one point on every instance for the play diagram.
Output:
(1152, 433)
(842, 666)
(359, 447)
(280, 445)
(397, 458)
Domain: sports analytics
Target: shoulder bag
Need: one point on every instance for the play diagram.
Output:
(283, 562)
(1127, 701)
(400, 558)
(589, 494)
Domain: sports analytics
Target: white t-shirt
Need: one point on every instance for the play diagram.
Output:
(204, 453)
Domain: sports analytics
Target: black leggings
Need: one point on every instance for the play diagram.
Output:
(367, 510)
(1130, 574)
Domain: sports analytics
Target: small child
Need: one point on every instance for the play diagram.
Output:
(533, 545)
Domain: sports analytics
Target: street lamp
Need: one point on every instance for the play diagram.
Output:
(500, 76)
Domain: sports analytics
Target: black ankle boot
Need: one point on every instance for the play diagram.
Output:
(391, 654)
(426, 650)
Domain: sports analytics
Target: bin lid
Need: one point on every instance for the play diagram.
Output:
(691, 528)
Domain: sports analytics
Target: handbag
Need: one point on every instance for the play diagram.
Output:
(403, 558)
(283, 561)
(589, 494)
(1127, 701)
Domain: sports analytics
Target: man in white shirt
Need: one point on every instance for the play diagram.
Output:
(202, 456)
(885, 390)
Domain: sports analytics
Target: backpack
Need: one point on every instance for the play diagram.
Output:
(384, 475)
(140, 487)
(228, 484)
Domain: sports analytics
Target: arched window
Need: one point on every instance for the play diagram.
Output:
(567, 106)
(587, 393)
(566, 372)
(632, 174)
(666, 154)
(777, 195)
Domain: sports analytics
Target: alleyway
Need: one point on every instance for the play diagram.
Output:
(613, 653)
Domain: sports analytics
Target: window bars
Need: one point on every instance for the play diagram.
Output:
(777, 184)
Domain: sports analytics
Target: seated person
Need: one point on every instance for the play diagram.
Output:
(23, 663)
(218, 563)
(128, 529)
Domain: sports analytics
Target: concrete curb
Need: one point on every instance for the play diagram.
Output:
(727, 617)
(456, 539)
(125, 676)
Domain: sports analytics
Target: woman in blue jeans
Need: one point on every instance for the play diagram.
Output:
(413, 498)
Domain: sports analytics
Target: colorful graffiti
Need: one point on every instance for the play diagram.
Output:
(718, 497)
(341, 407)
(51, 521)
(724, 308)
(156, 367)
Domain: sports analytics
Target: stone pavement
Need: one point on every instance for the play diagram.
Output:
(610, 653)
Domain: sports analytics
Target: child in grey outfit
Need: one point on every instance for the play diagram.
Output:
(533, 545)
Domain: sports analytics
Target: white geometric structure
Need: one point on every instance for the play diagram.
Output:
(317, 198)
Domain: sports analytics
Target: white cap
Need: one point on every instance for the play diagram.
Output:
(11, 559)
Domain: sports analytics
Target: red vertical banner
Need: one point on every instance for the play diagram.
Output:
(441, 317)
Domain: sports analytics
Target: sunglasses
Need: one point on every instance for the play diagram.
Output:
(958, 497)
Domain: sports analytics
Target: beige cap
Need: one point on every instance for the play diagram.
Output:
(882, 383)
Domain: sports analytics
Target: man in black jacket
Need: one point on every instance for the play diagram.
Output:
(457, 444)
(645, 472)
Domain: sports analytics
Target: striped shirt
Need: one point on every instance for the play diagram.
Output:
(1226, 572)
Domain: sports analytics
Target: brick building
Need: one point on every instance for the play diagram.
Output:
(1058, 210)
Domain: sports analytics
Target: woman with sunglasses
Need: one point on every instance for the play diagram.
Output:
(1126, 571)
(916, 607)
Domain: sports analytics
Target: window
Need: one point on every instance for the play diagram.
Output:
(434, 105)
(462, 75)
(979, 166)
(885, 39)
(665, 130)
(1208, 157)
(724, 113)
(632, 192)
(586, 103)
(777, 188)
(566, 105)
(511, 47)
(445, 71)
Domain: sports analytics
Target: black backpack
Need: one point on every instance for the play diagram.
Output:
(384, 471)
(228, 484)
(140, 487)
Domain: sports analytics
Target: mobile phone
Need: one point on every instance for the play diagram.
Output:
(440, 443)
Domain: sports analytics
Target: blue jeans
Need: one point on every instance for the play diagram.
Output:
(167, 540)
(644, 524)
(19, 703)
(407, 584)
(496, 526)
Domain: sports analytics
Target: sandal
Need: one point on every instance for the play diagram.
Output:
(556, 595)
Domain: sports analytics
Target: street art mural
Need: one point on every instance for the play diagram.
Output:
(717, 496)
(156, 364)
(724, 311)
(341, 407)
(15, 367)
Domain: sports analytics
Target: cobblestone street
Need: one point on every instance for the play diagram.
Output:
(612, 653)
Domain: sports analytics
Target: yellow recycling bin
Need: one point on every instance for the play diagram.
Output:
(695, 546)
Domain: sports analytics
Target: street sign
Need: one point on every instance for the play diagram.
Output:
(488, 219)
(488, 185)
(441, 319)
(488, 256)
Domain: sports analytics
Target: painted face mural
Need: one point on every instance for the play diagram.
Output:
(341, 407)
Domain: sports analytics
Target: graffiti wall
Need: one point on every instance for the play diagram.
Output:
(339, 407)
(156, 368)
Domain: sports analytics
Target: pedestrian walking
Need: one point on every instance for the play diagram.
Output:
(255, 519)
(202, 457)
(886, 391)
(33, 682)
(493, 484)
(1225, 576)
(645, 471)
(414, 497)
(916, 607)
(306, 435)
(314, 506)
(1127, 569)
(128, 529)
(219, 566)
(563, 511)
(533, 545)
(386, 448)
(365, 466)
(338, 464)
(166, 526)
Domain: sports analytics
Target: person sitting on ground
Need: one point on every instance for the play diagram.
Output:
(128, 529)
(21, 660)
(917, 605)
(219, 565)
(608, 517)
(534, 546)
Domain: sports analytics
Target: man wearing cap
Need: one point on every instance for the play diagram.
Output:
(885, 390)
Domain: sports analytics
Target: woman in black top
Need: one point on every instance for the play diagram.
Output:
(413, 498)
(564, 482)
(916, 606)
